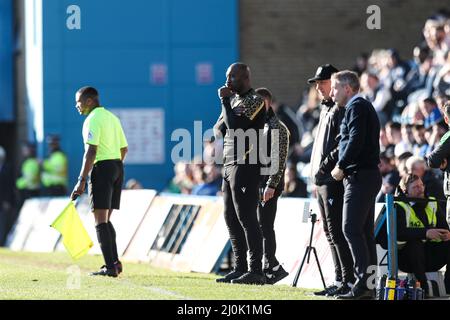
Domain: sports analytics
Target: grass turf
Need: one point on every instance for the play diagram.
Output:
(54, 276)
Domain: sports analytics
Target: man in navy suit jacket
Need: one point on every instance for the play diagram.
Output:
(359, 155)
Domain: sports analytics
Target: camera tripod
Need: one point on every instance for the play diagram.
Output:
(308, 253)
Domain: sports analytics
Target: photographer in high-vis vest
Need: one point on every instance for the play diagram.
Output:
(422, 233)
(54, 169)
(28, 183)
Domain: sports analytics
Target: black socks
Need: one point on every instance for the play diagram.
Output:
(112, 232)
(104, 237)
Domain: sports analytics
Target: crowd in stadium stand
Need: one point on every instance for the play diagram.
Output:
(407, 93)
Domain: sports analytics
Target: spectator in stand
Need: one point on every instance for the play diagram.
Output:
(436, 38)
(377, 94)
(407, 142)
(384, 142)
(210, 183)
(183, 182)
(420, 146)
(400, 163)
(430, 111)
(390, 176)
(197, 173)
(393, 135)
(396, 80)
(420, 80)
(433, 187)
(412, 115)
(293, 185)
(213, 151)
(308, 113)
(361, 63)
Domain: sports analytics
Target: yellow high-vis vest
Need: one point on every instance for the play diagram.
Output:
(55, 170)
(412, 221)
(30, 179)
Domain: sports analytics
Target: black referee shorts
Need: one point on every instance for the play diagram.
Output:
(105, 185)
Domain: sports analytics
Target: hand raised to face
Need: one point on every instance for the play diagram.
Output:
(225, 92)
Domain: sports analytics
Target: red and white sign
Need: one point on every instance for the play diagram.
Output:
(158, 73)
(204, 73)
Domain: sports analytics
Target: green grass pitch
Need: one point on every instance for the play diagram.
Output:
(54, 276)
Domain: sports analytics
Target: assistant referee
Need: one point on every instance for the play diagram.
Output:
(105, 149)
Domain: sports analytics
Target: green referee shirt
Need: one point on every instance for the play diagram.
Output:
(103, 129)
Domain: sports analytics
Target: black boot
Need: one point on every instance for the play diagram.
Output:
(341, 290)
(358, 292)
(275, 274)
(234, 274)
(257, 278)
(328, 290)
(104, 271)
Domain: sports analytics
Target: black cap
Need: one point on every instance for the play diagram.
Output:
(323, 73)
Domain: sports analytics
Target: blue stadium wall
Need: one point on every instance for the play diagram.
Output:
(114, 51)
(6, 59)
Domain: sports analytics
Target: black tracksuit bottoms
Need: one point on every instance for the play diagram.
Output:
(266, 218)
(241, 197)
(361, 189)
(330, 198)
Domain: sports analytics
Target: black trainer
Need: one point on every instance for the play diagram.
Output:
(357, 293)
(326, 290)
(118, 266)
(230, 276)
(104, 271)
(273, 276)
(343, 289)
(250, 278)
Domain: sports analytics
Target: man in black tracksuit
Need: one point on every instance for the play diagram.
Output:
(275, 147)
(440, 156)
(243, 116)
(329, 191)
(359, 156)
